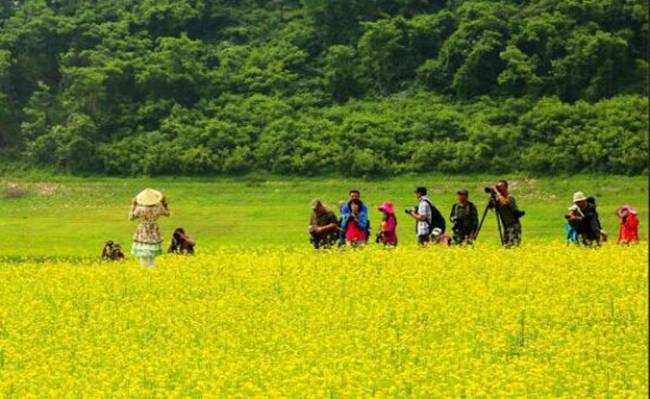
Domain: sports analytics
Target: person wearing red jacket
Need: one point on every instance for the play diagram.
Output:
(629, 231)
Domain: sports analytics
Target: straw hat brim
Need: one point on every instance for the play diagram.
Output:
(149, 197)
(577, 197)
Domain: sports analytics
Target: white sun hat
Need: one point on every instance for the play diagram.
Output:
(579, 196)
(149, 197)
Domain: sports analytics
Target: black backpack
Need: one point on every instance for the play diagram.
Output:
(436, 218)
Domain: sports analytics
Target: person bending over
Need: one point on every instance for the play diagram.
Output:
(181, 243)
(323, 226)
(583, 217)
(628, 232)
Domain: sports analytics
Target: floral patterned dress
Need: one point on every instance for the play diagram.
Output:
(147, 241)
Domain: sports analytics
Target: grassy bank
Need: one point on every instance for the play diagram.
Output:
(66, 216)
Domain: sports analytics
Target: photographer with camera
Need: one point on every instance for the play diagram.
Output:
(362, 217)
(583, 217)
(464, 216)
(426, 215)
(323, 226)
(355, 234)
(507, 212)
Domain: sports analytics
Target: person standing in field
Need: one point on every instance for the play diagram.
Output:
(362, 217)
(509, 214)
(464, 217)
(323, 226)
(427, 217)
(628, 232)
(355, 234)
(388, 234)
(148, 207)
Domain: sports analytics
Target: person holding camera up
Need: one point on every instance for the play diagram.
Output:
(507, 212)
(427, 217)
(147, 207)
(583, 217)
(361, 218)
(355, 234)
(464, 216)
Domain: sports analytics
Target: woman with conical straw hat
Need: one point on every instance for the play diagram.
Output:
(147, 207)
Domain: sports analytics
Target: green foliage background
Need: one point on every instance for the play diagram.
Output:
(306, 87)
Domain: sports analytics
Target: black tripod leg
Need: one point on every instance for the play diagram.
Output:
(498, 215)
(478, 229)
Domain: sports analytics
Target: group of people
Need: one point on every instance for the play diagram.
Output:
(584, 227)
(353, 227)
(147, 207)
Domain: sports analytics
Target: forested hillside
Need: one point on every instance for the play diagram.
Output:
(352, 87)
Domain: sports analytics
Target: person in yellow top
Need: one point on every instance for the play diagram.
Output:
(148, 207)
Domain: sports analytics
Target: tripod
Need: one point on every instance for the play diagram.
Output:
(491, 205)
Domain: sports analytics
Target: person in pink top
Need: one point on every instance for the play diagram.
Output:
(629, 231)
(388, 234)
(354, 234)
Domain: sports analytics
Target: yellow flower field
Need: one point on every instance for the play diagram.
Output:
(541, 321)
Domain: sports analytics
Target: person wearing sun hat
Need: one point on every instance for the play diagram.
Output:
(387, 234)
(584, 219)
(148, 207)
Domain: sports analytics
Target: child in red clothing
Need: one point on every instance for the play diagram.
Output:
(388, 235)
(629, 230)
(354, 235)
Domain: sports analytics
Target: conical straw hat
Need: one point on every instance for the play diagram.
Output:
(149, 197)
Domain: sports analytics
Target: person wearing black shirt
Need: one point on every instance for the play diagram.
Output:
(509, 214)
(584, 219)
(464, 217)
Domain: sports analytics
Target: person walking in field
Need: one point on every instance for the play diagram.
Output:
(628, 232)
(388, 234)
(147, 207)
(427, 217)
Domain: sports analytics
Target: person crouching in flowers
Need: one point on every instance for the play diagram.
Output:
(148, 207)
(628, 233)
(388, 234)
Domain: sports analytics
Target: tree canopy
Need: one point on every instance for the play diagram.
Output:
(310, 87)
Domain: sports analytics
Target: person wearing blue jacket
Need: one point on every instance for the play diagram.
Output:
(362, 217)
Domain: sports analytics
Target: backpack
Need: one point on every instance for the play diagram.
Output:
(436, 218)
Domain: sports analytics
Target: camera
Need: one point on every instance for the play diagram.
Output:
(409, 210)
(489, 190)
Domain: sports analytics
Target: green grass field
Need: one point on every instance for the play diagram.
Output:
(70, 217)
(257, 313)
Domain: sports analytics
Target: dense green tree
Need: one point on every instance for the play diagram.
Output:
(354, 87)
